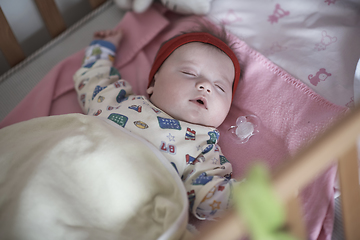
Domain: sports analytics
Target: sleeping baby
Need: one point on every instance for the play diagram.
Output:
(191, 86)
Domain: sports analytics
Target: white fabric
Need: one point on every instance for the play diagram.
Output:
(188, 7)
(138, 6)
(78, 177)
(304, 37)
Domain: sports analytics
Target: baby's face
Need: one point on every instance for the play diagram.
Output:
(194, 84)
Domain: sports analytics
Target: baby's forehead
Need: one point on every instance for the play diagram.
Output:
(198, 45)
(194, 48)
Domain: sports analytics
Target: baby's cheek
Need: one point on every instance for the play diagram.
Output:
(220, 115)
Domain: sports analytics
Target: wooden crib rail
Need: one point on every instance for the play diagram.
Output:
(9, 46)
(337, 143)
(53, 21)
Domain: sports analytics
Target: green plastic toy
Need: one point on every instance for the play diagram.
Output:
(259, 207)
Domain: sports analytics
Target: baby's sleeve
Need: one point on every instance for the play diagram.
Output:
(97, 74)
(209, 184)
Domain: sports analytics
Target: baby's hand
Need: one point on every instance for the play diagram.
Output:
(113, 36)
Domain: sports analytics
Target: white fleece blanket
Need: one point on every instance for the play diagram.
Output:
(77, 177)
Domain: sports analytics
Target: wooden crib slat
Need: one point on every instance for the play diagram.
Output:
(295, 218)
(96, 3)
(8, 43)
(316, 158)
(230, 228)
(350, 193)
(54, 22)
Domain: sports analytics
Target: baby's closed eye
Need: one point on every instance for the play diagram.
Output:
(220, 87)
(189, 73)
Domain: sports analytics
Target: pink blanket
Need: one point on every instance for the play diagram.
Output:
(291, 114)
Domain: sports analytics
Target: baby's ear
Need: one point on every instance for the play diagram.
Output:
(150, 90)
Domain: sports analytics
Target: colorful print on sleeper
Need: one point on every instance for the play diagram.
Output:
(192, 149)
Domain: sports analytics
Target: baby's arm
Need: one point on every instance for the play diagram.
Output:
(97, 72)
(103, 46)
(209, 184)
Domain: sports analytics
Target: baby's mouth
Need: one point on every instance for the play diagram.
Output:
(201, 101)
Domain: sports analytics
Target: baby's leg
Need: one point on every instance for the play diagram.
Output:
(113, 36)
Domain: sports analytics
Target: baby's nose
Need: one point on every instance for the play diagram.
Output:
(204, 86)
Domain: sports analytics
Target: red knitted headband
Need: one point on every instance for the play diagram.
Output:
(170, 46)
